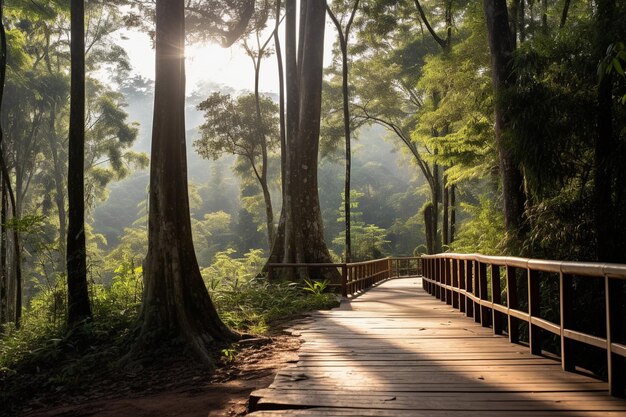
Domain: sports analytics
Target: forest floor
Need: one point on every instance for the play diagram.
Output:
(177, 388)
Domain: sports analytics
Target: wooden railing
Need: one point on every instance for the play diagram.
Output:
(357, 276)
(475, 284)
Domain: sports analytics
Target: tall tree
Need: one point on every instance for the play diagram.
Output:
(445, 44)
(606, 189)
(246, 127)
(7, 187)
(3, 276)
(78, 304)
(176, 303)
(256, 54)
(344, 37)
(300, 236)
(502, 47)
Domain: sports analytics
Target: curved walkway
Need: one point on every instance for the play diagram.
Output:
(397, 351)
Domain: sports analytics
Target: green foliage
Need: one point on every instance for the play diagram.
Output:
(127, 287)
(46, 356)
(368, 240)
(456, 119)
(228, 355)
(315, 287)
(249, 303)
(484, 231)
(231, 127)
(614, 62)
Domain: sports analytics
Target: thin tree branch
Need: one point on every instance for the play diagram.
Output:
(442, 42)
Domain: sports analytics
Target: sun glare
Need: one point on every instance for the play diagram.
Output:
(205, 62)
(210, 63)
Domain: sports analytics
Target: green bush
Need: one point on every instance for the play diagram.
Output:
(45, 355)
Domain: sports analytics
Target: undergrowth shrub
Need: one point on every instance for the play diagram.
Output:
(43, 355)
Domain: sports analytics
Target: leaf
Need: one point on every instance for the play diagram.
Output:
(618, 67)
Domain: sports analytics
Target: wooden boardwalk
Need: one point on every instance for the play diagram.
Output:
(397, 351)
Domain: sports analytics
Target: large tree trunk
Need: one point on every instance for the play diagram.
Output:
(78, 306)
(4, 312)
(14, 290)
(281, 92)
(604, 145)
(300, 237)
(176, 303)
(502, 48)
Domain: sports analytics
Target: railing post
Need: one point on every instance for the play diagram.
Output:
(446, 280)
(443, 280)
(614, 315)
(436, 276)
(512, 303)
(449, 292)
(469, 288)
(476, 276)
(534, 332)
(462, 281)
(485, 317)
(565, 308)
(455, 283)
(496, 296)
(344, 280)
(428, 274)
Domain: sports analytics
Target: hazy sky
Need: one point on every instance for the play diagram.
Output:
(210, 62)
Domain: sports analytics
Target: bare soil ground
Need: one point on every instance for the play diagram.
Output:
(177, 388)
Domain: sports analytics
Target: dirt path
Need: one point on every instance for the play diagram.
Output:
(178, 390)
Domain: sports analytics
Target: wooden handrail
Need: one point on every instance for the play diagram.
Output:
(461, 280)
(359, 276)
(574, 268)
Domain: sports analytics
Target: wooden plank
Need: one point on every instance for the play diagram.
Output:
(402, 401)
(586, 397)
(348, 412)
(377, 386)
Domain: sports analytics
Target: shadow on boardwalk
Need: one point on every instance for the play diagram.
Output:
(397, 351)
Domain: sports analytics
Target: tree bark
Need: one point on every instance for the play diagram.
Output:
(16, 288)
(428, 228)
(176, 303)
(302, 237)
(78, 304)
(452, 213)
(4, 283)
(281, 92)
(4, 313)
(446, 203)
(564, 14)
(604, 145)
(269, 211)
(58, 182)
(436, 199)
(501, 47)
